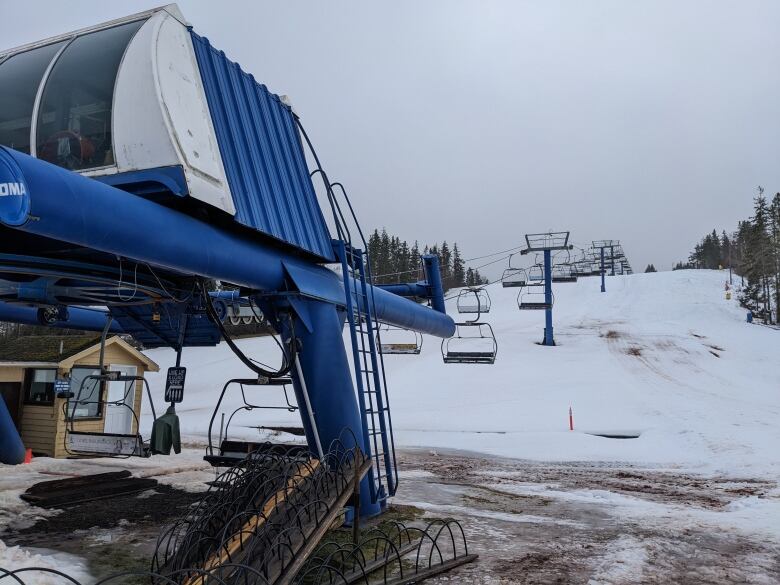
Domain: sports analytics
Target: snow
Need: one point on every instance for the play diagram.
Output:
(639, 358)
(14, 558)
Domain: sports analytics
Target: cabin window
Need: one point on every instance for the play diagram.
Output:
(87, 393)
(20, 77)
(74, 118)
(40, 387)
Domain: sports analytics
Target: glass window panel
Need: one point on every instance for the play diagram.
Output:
(74, 119)
(20, 76)
(86, 393)
(40, 389)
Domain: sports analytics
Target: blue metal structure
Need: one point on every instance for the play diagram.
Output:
(146, 231)
(549, 339)
(546, 243)
(603, 279)
(90, 215)
(262, 154)
(601, 246)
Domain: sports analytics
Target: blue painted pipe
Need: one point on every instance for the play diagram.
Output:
(433, 276)
(60, 204)
(549, 339)
(11, 447)
(81, 318)
(323, 360)
(406, 289)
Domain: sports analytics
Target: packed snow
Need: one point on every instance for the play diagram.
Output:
(663, 355)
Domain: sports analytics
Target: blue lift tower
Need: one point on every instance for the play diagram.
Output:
(139, 165)
(601, 246)
(547, 243)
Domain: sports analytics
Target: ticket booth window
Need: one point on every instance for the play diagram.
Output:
(40, 387)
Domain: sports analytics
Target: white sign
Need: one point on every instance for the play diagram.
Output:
(103, 443)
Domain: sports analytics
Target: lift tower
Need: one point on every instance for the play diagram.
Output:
(602, 245)
(546, 243)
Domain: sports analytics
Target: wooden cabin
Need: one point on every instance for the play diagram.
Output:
(36, 372)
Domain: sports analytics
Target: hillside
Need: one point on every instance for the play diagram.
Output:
(660, 355)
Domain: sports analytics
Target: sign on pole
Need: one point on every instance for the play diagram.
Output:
(174, 384)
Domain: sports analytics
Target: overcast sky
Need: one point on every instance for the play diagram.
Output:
(649, 122)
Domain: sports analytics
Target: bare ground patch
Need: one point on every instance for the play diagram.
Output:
(565, 523)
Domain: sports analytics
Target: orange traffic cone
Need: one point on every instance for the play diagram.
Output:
(28, 456)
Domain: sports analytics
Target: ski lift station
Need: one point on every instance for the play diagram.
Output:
(29, 369)
(139, 166)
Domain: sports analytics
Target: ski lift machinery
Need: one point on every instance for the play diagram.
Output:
(141, 121)
(474, 342)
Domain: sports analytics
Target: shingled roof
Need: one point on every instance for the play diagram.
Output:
(45, 348)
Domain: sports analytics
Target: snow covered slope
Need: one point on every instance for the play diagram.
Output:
(662, 355)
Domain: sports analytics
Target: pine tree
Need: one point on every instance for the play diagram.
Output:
(650, 268)
(458, 268)
(414, 262)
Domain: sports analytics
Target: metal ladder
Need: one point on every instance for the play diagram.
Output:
(369, 372)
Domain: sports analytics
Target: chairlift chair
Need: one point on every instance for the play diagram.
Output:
(514, 277)
(473, 300)
(473, 343)
(226, 452)
(398, 341)
(536, 273)
(532, 298)
(103, 444)
(562, 273)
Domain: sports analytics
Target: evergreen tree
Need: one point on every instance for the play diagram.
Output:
(469, 277)
(650, 268)
(414, 262)
(445, 259)
(458, 268)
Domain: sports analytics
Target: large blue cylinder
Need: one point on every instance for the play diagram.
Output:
(80, 318)
(11, 446)
(326, 370)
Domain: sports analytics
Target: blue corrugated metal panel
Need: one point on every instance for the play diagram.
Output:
(262, 154)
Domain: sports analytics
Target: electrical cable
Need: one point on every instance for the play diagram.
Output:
(288, 356)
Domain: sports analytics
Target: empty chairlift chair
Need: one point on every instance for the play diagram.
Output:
(398, 341)
(536, 274)
(531, 298)
(563, 273)
(514, 278)
(473, 300)
(473, 343)
(225, 452)
(93, 394)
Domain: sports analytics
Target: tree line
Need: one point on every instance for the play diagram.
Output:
(393, 260)
(752, 252)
